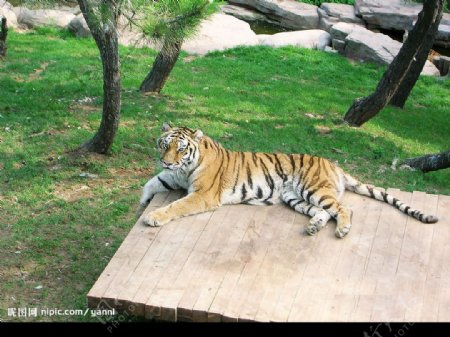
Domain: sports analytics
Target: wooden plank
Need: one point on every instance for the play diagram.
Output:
(340, 300)
(284, 255)
(226, 255)
(121, 256)
(193, 272)
(414, 256)
(386, 254)
(281, 221)
(300, 248)
(146, 240)
(247, 259)
(162, 300)
(444, 289)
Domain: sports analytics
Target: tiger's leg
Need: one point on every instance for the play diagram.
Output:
(162, 182)
(193, 203)
(319, 216)
(327, 200)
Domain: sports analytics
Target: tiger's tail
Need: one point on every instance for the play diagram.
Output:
(354, 185)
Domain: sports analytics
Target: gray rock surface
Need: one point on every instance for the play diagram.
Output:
(79, 27)
(286, 13)
(392, 14)
(42, 17)
(6, 10)
(220, 32)
(313, 39)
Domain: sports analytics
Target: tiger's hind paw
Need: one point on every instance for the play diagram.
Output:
(311, 230)
(341, 232)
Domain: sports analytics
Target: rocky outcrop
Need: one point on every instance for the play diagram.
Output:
(42, 17)
(6, 10)
(286, 13)
(443, 34)
(392, 14)
(331, 13)
(78, 26)
(220, 32)
(223, 31)
(312, 39)
(248, 15)
(361, 44)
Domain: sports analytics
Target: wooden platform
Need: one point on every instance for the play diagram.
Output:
(253, 263)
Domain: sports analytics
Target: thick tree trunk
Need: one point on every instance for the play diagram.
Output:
(431, 162)
(162, 66)
(3, 37)
(365, 108)
(105, 36)
(410, 79)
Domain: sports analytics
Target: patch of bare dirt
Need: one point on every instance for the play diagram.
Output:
(72, 193)
(36, 74)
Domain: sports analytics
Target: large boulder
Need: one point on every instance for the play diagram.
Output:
(443, 35)
(361, 44)
(6, 10)
(43, 17)
(79, 27)
(313, 39)
(220, 32)
(332, 13)
(392, 14)
(369, 46)
(242, 13)
(286, 13)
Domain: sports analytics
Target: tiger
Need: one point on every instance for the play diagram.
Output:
(214, 176)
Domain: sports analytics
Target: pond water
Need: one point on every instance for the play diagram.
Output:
(266, 28)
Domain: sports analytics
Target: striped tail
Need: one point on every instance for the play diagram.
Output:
(355, 186)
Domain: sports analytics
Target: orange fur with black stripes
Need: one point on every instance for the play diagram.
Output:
(214, 176)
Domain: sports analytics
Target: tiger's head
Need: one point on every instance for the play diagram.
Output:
(178, 147)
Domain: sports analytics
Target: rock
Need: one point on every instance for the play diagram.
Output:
(242, 13)
(286, 13)
(393, 14)
(369, 46)
(43, 17)
(79, 27)
(443, 64)
(6, 10)
(220, 32)
(313, 39)
(339, 45)
(340, 30)
(331, 13)
(364, 45)
(430, 69)
(442, 38)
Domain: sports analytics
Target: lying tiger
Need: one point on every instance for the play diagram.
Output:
(214, 176)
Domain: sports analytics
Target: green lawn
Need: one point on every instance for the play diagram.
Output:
(59, 230)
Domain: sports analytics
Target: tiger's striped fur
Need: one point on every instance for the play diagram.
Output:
(214, 176)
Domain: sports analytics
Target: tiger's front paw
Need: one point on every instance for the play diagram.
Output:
(155, 219)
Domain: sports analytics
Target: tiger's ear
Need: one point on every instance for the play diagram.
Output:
(166, 127)
(198, 134)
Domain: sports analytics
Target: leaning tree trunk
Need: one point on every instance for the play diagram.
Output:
(3, 36)
(105, 35)
(431, 162)
(162, 66)
(410, 79)
(363, 109)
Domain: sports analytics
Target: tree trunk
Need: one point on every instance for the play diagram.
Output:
(162, 66)
(105, 36)
(431, 162)
(3, 36)
(410, 79)
(363, 109)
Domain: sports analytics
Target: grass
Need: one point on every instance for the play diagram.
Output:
(59, 229)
